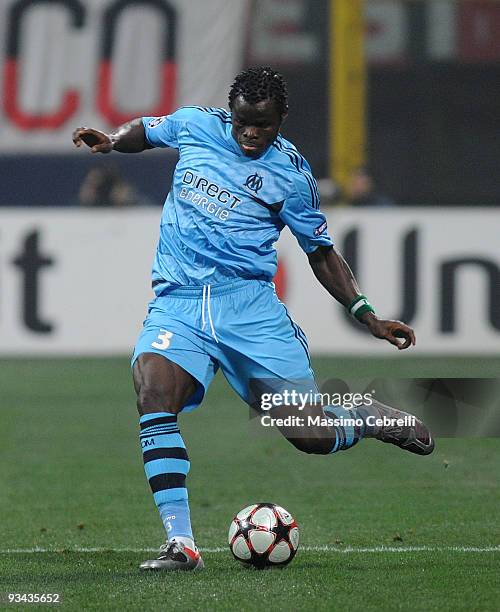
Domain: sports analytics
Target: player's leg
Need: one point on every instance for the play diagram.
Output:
(328, 429)
(272, 347)
(311, 428)
(263, 351)
(161, 384)
(163, 388)
(171, 370)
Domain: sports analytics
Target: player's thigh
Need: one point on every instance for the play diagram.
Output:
(161, 384)
(172, 368)
(268, 353)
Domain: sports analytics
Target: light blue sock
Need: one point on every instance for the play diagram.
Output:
(175, 517)
(347, 435)
(166, 464)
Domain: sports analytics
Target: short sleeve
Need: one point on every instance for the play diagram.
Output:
(300, 212)
(164, 131)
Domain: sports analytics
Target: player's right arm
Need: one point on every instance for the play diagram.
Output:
(128, 138)
(137, 135)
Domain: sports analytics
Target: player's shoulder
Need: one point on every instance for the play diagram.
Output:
(288, 157)
(192, 115)
(203, 115)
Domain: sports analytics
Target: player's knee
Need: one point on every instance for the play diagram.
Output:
(156, 398)
(313, 446)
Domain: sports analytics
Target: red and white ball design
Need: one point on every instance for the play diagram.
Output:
(263, 535)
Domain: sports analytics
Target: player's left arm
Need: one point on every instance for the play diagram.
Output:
(301, 214)
(333, 272)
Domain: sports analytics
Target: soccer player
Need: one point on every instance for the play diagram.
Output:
(236, 185)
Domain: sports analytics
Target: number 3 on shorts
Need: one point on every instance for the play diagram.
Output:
(163, 341)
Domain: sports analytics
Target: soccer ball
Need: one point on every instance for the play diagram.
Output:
(263, 535)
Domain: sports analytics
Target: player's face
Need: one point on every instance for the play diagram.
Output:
(255, 126)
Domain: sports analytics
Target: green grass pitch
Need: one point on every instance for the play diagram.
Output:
(400, 532)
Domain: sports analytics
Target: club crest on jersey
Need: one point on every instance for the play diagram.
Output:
(254, 182)
(156, 122)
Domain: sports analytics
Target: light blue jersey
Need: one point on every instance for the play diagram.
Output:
(225, 210)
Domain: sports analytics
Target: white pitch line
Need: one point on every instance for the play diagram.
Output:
(330, 549)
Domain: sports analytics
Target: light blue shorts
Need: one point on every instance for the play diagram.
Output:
(241, 327)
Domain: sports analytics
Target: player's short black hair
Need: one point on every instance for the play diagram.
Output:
(258, 84)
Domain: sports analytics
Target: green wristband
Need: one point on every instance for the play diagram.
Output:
(359, 306)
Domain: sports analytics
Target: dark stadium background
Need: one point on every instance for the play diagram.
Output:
(432, 120)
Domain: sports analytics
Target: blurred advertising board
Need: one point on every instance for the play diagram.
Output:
(102, 62)
(76, 282)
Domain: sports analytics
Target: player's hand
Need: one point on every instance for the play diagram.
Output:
(397, 333)
(99, 142)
